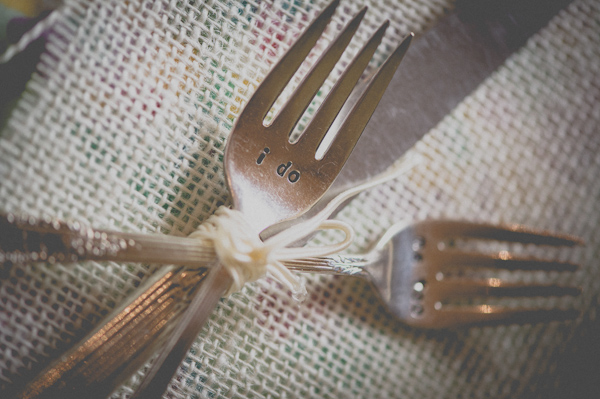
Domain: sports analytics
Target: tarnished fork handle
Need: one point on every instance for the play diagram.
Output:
(25, 239)
(131, 331)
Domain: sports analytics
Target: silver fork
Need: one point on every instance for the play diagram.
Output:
(297, 162)
(424, 280)
(270, 179)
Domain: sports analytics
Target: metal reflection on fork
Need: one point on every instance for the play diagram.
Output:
(96, 366)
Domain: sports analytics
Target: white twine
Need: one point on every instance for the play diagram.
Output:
(247, 258)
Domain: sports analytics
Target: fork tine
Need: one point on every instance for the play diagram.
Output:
(283, 71)
(308, 88)
(510, 233)
(490, 315)
(331, 106)
(504, 260)
(357, 119)
(496, 287)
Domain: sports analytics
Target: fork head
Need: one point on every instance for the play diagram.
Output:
(265, 171)
(427, 283)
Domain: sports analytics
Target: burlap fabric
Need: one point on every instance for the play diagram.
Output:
(124, 126)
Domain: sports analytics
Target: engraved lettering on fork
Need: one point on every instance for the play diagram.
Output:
(293, 176)
(262, 155)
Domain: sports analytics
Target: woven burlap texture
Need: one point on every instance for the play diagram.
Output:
(124, 126)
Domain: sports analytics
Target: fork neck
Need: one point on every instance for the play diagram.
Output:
(342, 265)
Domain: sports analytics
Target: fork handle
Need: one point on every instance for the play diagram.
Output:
(28, 239)
(179, 342)
(116, 349)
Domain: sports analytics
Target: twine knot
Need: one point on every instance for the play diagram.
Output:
(247, 258)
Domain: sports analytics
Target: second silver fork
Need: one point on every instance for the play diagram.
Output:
(427, 281)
